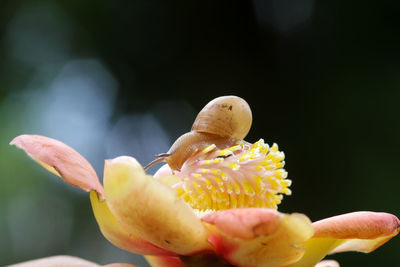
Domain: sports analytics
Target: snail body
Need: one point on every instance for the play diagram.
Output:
(192, 142)
(224, 121)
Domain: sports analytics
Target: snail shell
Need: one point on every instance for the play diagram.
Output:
(224, 121)
(225, 116)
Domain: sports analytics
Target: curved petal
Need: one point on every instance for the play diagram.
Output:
(61, 160)
(361, 231)
(59, 261)
(357, 231)
(114, 233)
(150, 209)
(258, 237)
(164, 261)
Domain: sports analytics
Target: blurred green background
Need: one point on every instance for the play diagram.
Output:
(114, 78)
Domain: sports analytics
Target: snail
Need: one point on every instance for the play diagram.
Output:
(223, 121)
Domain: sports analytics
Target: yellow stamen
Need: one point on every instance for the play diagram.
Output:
(209, 148)
(244, 175)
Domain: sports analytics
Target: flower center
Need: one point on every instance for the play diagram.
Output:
(245, 175)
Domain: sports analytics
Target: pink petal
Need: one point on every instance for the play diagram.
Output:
(363, 231)
(57, 261)
(164, 175)
(165, 170)
(328, 263)
(361, 225)
(357, 231)
(61, 160)
(119, 265)
(245, 223)
(258, 237)
(65, 261)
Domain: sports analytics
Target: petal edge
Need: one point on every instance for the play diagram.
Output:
(61, 160)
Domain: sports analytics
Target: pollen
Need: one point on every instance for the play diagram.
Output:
(244, 175)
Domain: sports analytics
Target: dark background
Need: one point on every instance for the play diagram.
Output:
(128, 77)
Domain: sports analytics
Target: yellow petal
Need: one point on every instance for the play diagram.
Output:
(61, 160)
(357, 231)
(114, 233)
(315, 250)
(150, 209)
(258, 236)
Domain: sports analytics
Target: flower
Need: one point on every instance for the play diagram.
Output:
(220, 209)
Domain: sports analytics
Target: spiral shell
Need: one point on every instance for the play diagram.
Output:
(225, 116)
